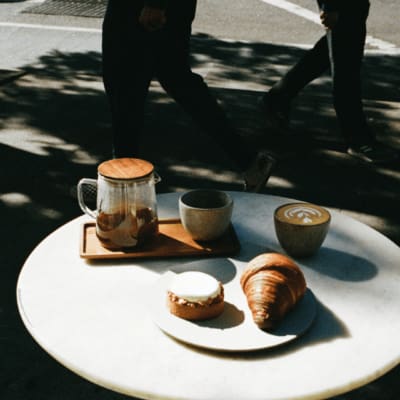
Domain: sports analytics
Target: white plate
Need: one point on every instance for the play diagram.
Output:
(234, 329)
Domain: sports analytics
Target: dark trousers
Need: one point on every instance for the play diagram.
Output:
(341, 50)
(132, 57)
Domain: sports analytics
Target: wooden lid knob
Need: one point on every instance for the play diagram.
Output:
(125, 168)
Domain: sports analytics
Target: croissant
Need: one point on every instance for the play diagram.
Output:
(273, 285)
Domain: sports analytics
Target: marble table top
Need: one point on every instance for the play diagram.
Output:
(94, 319)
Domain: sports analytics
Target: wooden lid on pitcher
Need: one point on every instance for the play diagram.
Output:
(125, 168)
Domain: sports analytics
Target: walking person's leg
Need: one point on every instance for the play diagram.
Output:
(346, 43)
(128, 59)
(193, 95)
(342, 50)
(276, 103)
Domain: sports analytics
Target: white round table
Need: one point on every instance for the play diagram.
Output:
(91, 317)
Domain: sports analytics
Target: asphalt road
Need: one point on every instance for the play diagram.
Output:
(266, 21)
(276, 21)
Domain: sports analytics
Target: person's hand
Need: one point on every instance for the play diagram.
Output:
(329, 18)
(152, 18)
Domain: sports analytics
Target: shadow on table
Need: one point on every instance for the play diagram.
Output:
(341, 265)
(221, 269)
(326, 327)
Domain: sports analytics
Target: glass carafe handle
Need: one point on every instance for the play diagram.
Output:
(156, 177)
(87, 187)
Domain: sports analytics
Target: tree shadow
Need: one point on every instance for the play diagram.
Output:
(55, 129)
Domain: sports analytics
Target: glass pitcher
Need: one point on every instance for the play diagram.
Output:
(126, 206)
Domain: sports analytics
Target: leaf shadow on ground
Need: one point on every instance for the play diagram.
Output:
(55, 129)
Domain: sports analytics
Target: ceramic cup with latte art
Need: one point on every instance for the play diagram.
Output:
(301, 228)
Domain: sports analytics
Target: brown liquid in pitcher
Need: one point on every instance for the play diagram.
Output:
(120, 229)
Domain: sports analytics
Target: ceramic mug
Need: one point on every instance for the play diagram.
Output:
(301, 228)
(205, 213)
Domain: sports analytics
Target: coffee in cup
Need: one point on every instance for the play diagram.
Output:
(301, 228)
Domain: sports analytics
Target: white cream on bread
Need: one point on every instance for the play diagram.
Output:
(195, 286)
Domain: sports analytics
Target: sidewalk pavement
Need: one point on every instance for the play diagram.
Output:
(55, 129)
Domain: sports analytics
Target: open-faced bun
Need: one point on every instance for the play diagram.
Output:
(195, 296)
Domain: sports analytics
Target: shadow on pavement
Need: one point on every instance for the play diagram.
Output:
(55, 129)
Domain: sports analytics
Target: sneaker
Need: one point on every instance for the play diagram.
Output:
(276, 112)
(375, 153)
(257, 175)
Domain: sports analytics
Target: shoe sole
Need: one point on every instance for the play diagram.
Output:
(261, 184)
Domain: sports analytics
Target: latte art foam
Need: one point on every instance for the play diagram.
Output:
(302, 214)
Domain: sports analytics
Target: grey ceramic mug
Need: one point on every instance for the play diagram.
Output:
(205, 213)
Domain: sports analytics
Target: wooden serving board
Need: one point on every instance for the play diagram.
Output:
(172, 241)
